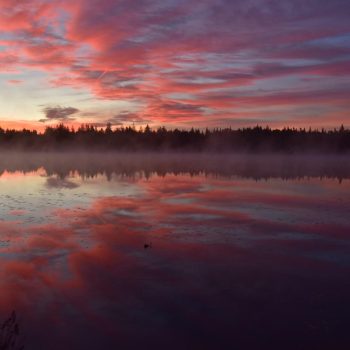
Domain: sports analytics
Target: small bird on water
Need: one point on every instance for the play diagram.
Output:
(147, 245)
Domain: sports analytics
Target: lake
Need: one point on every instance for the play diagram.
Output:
(108, 251)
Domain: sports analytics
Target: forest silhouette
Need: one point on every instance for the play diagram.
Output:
(255, 139)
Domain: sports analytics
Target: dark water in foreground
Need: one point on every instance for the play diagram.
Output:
(245, 253)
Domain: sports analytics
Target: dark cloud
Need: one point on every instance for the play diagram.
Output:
(54, 182)
(123, 118)
(126, 117)
(59, 113)
(183, 107)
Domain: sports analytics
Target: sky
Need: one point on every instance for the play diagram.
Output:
(175, 63)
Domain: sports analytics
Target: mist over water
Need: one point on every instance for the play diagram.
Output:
(260, 166)
(175, 251)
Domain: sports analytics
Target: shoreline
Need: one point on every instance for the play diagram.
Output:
(255, 166)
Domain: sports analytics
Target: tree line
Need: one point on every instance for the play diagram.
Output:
(251, 139)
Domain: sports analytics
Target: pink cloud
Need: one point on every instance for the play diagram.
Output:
(213, 53)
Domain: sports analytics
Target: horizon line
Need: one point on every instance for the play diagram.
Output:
(139, 128)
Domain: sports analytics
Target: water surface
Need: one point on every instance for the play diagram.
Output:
(241, 253)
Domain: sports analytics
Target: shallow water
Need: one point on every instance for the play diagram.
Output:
(171, 252)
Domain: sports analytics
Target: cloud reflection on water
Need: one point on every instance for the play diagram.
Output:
(233, 263)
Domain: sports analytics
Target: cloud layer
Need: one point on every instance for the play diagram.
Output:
(207, 63)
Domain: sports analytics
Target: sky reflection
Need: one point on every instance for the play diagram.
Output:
(234, 263)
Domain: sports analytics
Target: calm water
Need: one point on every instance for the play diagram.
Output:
(243, 253)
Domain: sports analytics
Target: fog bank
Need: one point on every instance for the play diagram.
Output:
(146, 164)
